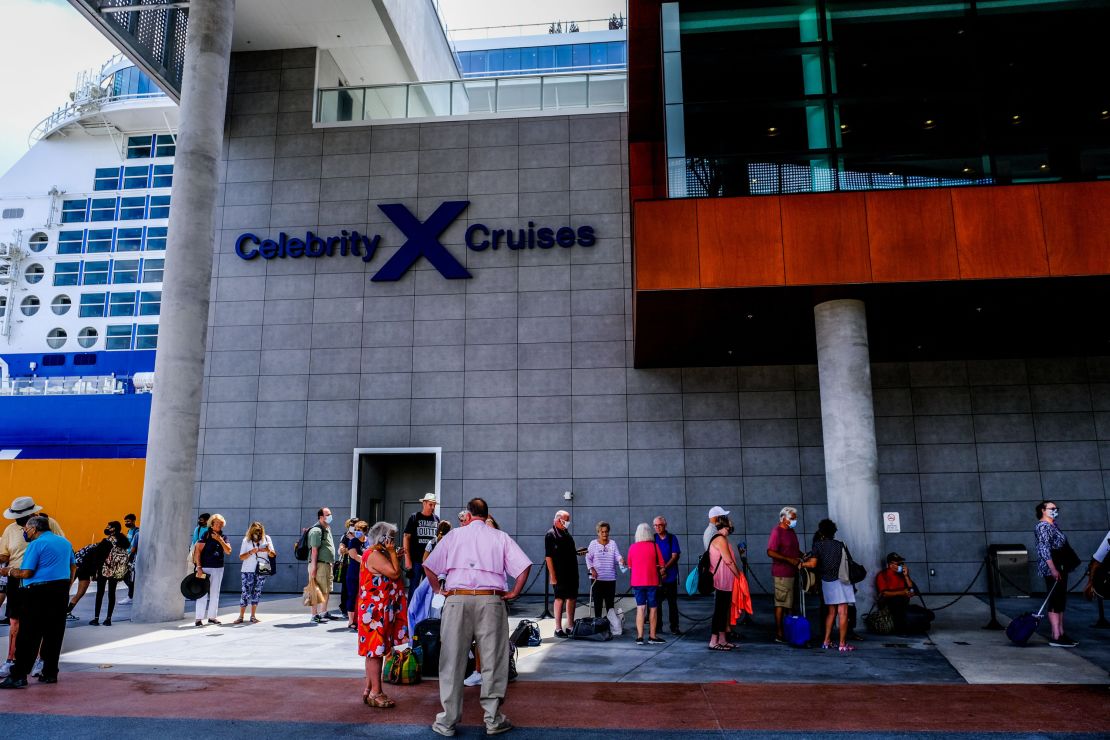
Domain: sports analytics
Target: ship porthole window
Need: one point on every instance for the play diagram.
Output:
(34, 273)
(38, 242)
(60, 305)
(87, 337)
(29, 305)
(56, 338)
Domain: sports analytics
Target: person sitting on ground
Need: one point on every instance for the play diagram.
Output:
(647, 566)
(255, 553)
(112, 570)
(381, 606)
(895, 589)
(603, 557)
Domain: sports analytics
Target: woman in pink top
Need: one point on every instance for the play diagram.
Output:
(646, 563)
(722, 560)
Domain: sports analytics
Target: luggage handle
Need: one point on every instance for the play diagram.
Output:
(1040, 612)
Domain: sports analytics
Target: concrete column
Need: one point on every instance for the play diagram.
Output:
(848, 429)
(171, 462)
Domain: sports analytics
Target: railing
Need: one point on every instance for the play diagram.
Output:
(85, 385)
(557, 27)
(80, 108)
(486, 97)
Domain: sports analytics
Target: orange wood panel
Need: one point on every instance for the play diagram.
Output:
(911, 236)
(666, 252)
(999, 232)
(824, 239)
(1077, 227)
(740, 242)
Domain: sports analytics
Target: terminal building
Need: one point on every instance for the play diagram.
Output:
(862, 278)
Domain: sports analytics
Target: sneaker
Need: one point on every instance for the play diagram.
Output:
(13, 683)
(561, 633)
(503, 726)
(657, 641)
(639, 641)
(333, 617)
(474, 679)
(6, 668)
(677, 632)
(46, 679)
(107, 622)
(780, 640)
(198, 623)
(1063, 641)
(125, 600)
(94, 622)
(71, 617)
(317, 619)
(36, 670)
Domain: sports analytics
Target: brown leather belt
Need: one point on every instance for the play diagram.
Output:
(474, 592)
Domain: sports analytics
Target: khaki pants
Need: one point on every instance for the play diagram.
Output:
(322, 580)
(484, 620)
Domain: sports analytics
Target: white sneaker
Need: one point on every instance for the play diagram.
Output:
(125, 600)
(37, 669)
(6, 668)
(474, 679)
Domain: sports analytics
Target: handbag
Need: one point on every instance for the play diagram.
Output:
(401, 668)
(879, 621)
(616, 620)
(263, 566)
(1065, 559)
(850, 572)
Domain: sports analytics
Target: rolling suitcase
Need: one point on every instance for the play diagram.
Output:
(795, 626)
(426, 637)
(1023, 627)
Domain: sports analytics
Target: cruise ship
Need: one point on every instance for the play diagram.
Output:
(82, 244)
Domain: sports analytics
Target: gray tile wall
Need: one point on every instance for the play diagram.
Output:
(523, 374)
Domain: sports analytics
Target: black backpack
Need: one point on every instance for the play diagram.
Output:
(706, 571)
(426, 637)
(301, 550)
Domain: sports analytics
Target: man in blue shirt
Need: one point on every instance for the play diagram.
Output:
(47, 571)
(670, 549)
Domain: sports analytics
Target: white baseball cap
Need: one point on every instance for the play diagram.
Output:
(717, 511)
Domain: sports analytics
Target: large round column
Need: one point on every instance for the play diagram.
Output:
(848, 430)
(171, 462)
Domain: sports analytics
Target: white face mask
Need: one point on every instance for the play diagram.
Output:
(328, 518)
(792, 523)
(1052, 513)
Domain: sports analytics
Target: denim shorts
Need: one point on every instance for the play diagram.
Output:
(646, 595)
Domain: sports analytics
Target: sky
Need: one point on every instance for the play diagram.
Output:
(45, 44)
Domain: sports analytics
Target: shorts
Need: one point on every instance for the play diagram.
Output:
(87, 572)
(17, 598)
(835, 592)
(646, 596)
(784, 592)
(323, 578)
(566, 586)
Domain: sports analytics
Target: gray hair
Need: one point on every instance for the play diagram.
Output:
(39, 523)
(644, 533)
(786, 512)
(381, 532)
(560, 514)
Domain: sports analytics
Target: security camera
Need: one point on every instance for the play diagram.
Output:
(568, 496)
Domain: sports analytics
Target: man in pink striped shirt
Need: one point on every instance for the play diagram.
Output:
(477, 560)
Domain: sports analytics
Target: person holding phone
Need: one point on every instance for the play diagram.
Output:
(208, 557)
(381, 608)
(255, 554)
(353, 544)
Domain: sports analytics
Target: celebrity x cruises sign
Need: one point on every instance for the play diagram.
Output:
(422, 240)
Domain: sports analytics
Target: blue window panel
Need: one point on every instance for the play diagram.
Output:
(69, 242)
(118, 337)
(580, 56)
(563, 57)
(138, 147)
(99, 241)
(615, 54)
(132, 209)
(146, 336)
(512, 60)
(73, 211)
(153, 270)
(496, 60)
(163, 176)
(479, 62)
(150, 303)
(156, 238)
(95, 273)
(599, 55)
(136, 178)
(102, 209)
(92, 305)
(125, 272)
(129, 240)
(545, 58)
(164, 145)
(121, 304)
(67, 273)
(529, 59)
(159, 206)
(106, 178)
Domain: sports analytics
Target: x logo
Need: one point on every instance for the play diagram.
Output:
(423, 240)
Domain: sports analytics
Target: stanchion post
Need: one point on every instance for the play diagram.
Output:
(546, 595)
(993, 624)
(1101, 624)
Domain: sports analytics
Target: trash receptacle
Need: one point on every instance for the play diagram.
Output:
(1009, 569)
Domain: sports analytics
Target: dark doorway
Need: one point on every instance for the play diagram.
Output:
(391, 483)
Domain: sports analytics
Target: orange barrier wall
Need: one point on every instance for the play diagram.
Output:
(81, 494)
(1051, 230)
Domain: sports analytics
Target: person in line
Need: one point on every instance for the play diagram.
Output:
(129, 522)
(441, 529)
(1098, 562)
(895, 588)
(198, 531)
(254, 555)
(320, 560)
(208, 557)
(724, 561)
(646, 563)
(786, 557)
(420, 529)
(420, 605)
(713, 527)
(561, 558)
(477, 560)
(837, 595)
(46, 571)
(381, 609)
(12, 547)
(668, 590)
(351, 547)
(89, 560)
(113, 569)
(1050, 537)
(603, 557)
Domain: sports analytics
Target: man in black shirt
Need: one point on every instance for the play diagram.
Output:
(562, 568)
(419, 531)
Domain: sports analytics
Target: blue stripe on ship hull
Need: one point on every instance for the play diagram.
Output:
(95, 426)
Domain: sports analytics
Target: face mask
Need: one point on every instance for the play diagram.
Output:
(792, 523)
(129, 525)
(328, 518)
(25, 537)
(1053, 513)
(350, 530)
(107, 530)
(900, 569)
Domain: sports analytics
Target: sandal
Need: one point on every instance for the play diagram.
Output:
(238, 621)
(381, 701)
(721, 647)
(255, 620)
(847, 648)
(826, 645)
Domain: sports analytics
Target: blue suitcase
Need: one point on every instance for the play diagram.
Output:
(1021, 628)
(795, 626)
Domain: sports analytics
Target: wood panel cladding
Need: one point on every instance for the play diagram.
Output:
(981, 233)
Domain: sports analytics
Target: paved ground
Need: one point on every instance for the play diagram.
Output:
(159, 675)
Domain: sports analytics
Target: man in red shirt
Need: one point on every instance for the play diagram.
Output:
(895, 588)
(785, 554)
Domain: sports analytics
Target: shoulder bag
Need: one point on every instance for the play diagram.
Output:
(263, 566)
(1065, 559)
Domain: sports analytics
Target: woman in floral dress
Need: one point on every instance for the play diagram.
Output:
(382, 611)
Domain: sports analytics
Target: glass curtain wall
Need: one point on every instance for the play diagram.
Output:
(827, 95)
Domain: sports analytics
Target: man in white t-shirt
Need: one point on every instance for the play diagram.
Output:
(1098, 563)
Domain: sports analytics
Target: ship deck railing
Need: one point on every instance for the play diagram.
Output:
(82, 385)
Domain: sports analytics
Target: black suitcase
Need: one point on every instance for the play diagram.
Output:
(592, 628)
(426, 637)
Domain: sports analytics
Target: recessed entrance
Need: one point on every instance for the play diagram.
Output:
(388, 482)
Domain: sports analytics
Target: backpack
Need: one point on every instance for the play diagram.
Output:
(301, 550)
(84, 552)
(115, 565)
(706, 571)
